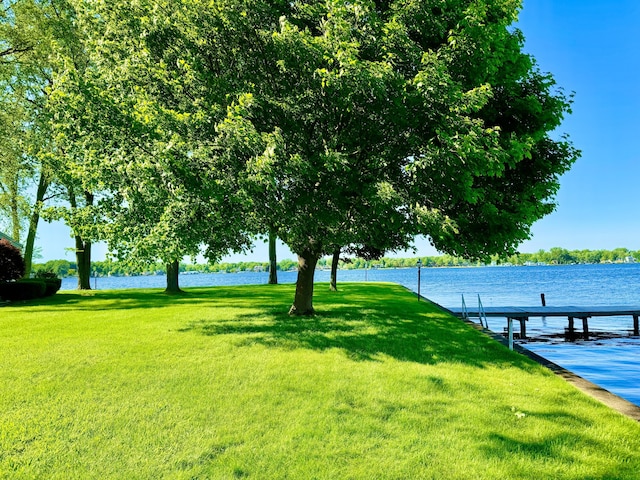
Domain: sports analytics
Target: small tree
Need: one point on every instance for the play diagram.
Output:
(11, 262)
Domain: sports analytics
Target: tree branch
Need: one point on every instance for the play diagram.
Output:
(15, 50)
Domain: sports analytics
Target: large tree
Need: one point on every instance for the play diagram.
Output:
(39, 44)
(25, 74)
(14, 51)
(382, 120)
(354, 124)
(144, 139)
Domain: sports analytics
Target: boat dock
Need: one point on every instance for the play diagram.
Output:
(522, 315)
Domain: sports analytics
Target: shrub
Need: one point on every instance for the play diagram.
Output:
(23, 290)
(51, 280)
(52, 285)
(45, 274)
(11, 262)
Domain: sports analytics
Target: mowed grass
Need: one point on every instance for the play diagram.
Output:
(221, 383)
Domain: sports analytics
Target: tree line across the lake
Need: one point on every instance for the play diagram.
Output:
(173, 129)
(555, 256)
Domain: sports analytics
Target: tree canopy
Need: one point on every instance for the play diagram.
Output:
(24, 75)
(144, 147)
(329, 124)
(38, 43)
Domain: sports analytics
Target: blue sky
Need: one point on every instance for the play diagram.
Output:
(592, 47)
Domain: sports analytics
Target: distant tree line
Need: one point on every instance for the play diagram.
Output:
(561, 256)
(555, 256)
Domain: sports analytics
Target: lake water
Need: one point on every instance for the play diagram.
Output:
(613, 363)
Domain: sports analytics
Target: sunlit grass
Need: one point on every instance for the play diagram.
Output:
(222, 383)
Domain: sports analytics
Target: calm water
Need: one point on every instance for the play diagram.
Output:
(611, 363)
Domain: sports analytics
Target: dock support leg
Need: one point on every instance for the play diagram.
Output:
(523, 328)
(636, 331)
(510, 332)
(585, 327)
(572, 330)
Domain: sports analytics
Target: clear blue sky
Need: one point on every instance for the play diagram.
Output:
(592, 47)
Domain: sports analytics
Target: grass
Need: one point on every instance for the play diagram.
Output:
(220, 383)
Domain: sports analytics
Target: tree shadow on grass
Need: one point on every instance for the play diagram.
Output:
(366, 322)
(565, 449)
(235, 297)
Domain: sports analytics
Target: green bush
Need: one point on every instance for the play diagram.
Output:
(52, 285)
(51, 280)
(26, 289)
(48, 274)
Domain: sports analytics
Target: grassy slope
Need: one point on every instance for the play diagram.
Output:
(221, 383)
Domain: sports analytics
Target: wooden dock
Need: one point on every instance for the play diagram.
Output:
(522, 315)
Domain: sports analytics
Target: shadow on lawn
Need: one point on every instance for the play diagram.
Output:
(93, 300)
(564, 447)
(366, 322)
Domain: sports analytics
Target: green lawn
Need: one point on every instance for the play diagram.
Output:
(222, 383)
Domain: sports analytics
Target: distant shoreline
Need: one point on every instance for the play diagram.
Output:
(238, 268)
(555, 256)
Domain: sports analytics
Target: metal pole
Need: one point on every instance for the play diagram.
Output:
(510, 329)
(419, 263)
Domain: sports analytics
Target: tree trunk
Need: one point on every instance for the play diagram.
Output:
(173, 273)
(83, 246)
(333, 285)
(303, 301)
(83, 259)
(273, 261)
(14, 200)
(43, 184)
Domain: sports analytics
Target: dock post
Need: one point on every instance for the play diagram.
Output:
(635, 326)
(523, 327)
(572, 330)
(510, 330)
(585, 327)
(542, 299)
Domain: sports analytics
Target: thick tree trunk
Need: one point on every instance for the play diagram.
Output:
(43, 184)
(173, 273)
(333, 285)
(303, 301)
(83, 247)
(83, 259)
(273, 261)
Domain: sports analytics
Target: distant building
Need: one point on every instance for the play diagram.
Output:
(629, 259)
(11, 240)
